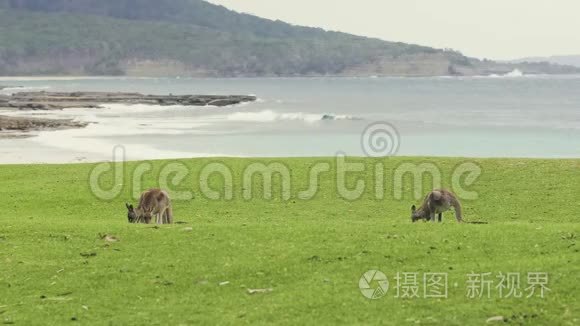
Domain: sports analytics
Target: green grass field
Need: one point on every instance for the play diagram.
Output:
(56, 269)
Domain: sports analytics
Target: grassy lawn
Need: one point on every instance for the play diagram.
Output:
(55, 268)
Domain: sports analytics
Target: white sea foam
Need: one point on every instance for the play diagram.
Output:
(15, 89)
(97, 140)
(122, 120)
(271, 116)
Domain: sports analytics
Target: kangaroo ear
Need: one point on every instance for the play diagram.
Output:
(413, 208)
(129, 207)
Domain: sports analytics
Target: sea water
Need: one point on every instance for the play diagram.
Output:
(510, 116)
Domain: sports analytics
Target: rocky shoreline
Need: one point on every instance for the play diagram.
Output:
(20, 127)
(31, 101)
(59, 100)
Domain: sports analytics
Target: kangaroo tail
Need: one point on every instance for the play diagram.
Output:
(458, 212)
(169, 215)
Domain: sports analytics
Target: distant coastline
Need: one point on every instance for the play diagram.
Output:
(113, 77)
(201, 40)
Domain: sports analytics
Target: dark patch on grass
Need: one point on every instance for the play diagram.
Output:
(315, 259)
(63, 237)
(521, 317)
(88, 254)
(165, 283)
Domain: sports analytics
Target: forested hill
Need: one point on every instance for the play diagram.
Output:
(196, 38)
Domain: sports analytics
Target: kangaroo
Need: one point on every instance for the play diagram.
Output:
(152, 202)
(437, 202)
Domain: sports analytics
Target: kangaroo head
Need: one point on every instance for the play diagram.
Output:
(131, 214)
(416, 214)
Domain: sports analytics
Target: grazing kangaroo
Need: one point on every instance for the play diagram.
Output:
(437, 202)
(152, 202)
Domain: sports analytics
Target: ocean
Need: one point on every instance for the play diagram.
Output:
(519, 116)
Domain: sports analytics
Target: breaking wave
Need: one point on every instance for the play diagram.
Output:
(516, 73)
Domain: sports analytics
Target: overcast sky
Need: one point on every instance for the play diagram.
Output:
(495, 29)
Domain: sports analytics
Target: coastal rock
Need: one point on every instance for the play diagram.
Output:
(11, 127)
(60, 100)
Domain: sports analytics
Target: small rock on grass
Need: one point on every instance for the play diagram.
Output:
(259, 291)
(495, 319)
(109, 238)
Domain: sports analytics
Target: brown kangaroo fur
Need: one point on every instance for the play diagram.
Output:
(153, 202)
(437, 202)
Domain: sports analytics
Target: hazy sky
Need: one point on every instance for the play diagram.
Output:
(496, 29)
